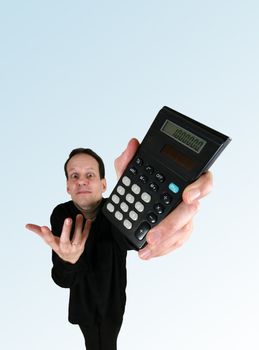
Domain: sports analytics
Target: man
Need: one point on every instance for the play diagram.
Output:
(90, 258)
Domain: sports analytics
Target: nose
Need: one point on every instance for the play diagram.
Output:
(82, 181)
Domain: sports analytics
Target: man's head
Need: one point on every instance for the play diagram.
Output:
(85, 174)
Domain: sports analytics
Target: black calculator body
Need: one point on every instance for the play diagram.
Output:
(175, 151)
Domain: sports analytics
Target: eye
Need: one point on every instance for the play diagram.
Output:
(90, 176)
(74, 176)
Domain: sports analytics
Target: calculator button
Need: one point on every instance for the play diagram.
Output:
(149, 169)
(154, 187)
(110, 207)
(139, 206)
(152, 218)
(124, 207)
(173, 187)
(159, 208)
(142, 230)
(139, 161)
(133, 215)
(135, 189)
(127, 224)
(166, 198)
(143, 178)
(121, 190)
(133, 171)
(126, 181)
(118, 215)
(115, 199)
(146, 197)
(130, 198)
(160, 177)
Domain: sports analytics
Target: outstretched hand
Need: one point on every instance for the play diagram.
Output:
(176, 228)
(68, 250)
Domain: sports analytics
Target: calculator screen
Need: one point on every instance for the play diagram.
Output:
(183, 136)
(180, 158)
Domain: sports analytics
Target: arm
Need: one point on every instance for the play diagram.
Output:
(66, 253)
(176, 228)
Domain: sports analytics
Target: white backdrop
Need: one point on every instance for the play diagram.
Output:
(94, 74)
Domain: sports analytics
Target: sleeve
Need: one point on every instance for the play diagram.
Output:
(63, 273)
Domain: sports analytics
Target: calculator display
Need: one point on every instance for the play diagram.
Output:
(183, 136)
(175, 151)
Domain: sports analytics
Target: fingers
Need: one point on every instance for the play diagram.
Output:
(81, 234)
(65, 233)
(176, 228)
(122, 161)
(171, 232)
(71, 250)
(199, 188)
(66, 249)
(167, 243)
(45, 233)
(34, 228)
(77, 237)
(177, 219)
(86, 230)
(49, 238)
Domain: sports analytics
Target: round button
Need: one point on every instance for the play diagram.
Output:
(139, 206)
(126, 181)
(159, 208)
(124, 207)
(135, 189)
(146, 197)
(130, 198)
(160, 177)
(149, 169)
(115, 199)
(166, 198)
(118, 215)
(133, 215)
(143, 178)
(121, 190)
(133, 171)
(127, 224)
(139, 161)
(152, 218)
(173, 187)
(154, 187)
(110, 207)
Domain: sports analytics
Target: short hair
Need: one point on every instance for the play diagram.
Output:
(89, 152)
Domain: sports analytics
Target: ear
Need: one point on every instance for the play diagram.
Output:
(104, 185)
(68, 190)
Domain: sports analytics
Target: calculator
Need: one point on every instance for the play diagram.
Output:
(175, 151)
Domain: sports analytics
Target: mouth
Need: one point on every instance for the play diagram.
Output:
(83, 192)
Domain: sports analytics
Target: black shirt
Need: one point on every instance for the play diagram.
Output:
(97, 281)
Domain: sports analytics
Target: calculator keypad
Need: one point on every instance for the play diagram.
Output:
(142, 197)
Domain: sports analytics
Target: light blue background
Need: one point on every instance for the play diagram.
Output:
(95, 74)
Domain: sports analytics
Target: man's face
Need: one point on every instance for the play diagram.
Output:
(84, 183)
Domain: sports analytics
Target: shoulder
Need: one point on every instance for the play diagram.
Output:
(60, 213)
(64, 210)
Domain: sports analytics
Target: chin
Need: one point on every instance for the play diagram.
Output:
(84, 205)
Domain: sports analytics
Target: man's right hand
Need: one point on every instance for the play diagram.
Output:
(68, 250)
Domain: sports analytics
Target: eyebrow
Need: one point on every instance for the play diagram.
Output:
(76, 170)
